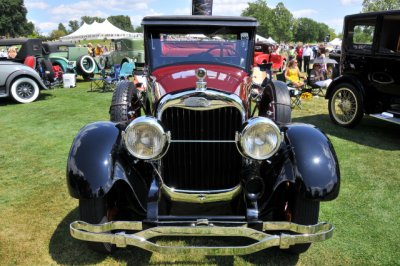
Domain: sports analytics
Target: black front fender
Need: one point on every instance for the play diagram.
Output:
(90, 161)
(315, 161)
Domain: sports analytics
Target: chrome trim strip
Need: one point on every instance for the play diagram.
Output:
(201, 196)
(203, 141)
(300, 234)
(216, 99)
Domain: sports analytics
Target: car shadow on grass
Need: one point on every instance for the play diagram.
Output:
(369, 132)
(9, 101)
(66, 250)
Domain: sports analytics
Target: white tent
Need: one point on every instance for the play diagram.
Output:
(335, 42)
(260, 38)
(96, 31)
(269, 40)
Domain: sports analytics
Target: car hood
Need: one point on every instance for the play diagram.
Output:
(222, 78)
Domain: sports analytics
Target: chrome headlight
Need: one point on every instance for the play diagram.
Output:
(259, 139)
(145, 138)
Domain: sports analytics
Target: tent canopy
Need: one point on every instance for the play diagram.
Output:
(335, 42)
(269, 40)
(97, 31)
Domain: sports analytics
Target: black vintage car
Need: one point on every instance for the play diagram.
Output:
(188, 157)
(370, 61)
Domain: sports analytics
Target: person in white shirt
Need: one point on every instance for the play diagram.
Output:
(307, 56)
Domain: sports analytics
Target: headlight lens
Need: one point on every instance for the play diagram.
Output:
(146, 139)
(260, 138)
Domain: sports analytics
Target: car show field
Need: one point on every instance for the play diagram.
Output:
(36, 209)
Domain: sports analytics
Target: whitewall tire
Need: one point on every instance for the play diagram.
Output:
(24, 90)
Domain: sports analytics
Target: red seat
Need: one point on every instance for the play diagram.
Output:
(30, 61)
(276, 60)
(262, 58)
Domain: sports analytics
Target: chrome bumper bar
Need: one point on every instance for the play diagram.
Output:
(102, 233)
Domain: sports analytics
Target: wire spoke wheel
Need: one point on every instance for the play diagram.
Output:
(345, 107)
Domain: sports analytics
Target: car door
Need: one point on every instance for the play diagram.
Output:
(385, 71)
(359, 56)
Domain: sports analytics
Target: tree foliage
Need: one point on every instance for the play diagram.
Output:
(282, 20)
(13, 20)
(262, 12)
(380, 5)
(122, 22)
(90, 20)
(62, 28)
(280, 25)
(73, 25)
(56, 34)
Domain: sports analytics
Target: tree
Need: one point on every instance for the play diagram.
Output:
(73, 26)
(283, 23)
(379, 5)
(90, 20)
(139, 28)
(263, 14)
(122, 22)
(306, 30)
(56, 34)
(13, 20)
(62, 28)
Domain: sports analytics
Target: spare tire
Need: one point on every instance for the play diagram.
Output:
(85, 64)
(48, 68)
(125, 103)
(275, 102)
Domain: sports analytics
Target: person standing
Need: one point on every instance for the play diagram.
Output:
(292, 53)
(307, 55)
(299, 56)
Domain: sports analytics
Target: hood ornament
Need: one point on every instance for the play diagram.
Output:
(201, 74)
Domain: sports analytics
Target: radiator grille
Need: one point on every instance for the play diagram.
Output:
(202, 165)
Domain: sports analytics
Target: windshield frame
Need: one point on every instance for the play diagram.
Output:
(244, 36)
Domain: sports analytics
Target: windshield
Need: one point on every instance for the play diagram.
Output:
(220, 47)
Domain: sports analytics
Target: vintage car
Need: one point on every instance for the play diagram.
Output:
(188, 156)
(265, 53)
(369, 66)
(72, 59)
(19, 81)
(125, 50)
(30, 53)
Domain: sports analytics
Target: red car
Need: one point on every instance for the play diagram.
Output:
(265, 53)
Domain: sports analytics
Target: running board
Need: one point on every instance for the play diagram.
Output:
(389, 117)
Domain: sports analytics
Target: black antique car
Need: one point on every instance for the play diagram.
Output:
(369, 65)
(188, 156)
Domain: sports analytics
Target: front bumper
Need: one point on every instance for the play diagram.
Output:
(293, 234)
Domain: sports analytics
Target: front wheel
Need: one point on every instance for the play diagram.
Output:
(345, 107)
(94, 211)
(305, 212)
(24, 90)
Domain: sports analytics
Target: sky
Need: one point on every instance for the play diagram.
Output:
(47, 14)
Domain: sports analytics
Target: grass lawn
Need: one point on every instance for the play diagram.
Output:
(36, 209)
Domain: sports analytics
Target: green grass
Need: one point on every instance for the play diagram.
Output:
(36, 209)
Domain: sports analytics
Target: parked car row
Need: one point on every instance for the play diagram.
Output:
(51, 59)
